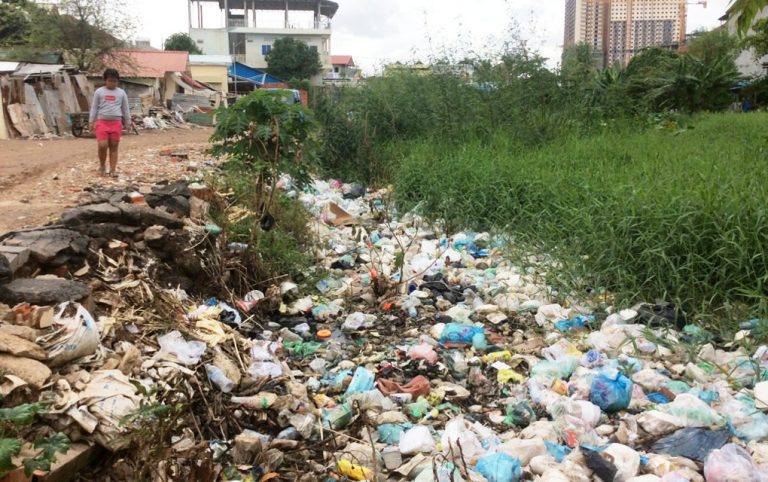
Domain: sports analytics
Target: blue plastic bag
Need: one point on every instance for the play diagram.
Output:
(611, 391)
(458, 333)
(579, 321)
(362, 381)
(557, 451)
(500, 467)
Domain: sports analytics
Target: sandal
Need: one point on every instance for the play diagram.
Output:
(113, 175)
(102, 172)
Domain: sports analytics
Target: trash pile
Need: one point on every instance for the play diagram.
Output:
(415, 355)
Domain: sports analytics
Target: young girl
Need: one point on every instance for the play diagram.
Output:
(109, 114)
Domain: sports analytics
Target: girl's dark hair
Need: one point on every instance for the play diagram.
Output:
(111, 73)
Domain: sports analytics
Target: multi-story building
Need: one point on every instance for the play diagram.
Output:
(247, 29)
(617, 29)
(748, 64)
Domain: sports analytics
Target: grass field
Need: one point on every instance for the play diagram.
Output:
(671, 212)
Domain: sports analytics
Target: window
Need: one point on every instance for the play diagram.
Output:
(265, 49)
(313, 48)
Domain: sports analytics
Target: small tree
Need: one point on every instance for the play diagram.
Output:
(182, 42)
(265, 135)
(293, 59)
(86, 31)
(15, 21)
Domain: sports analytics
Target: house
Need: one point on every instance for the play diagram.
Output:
(747, 64)
(250, 28)
(344, 69)
(212, 70)
(149, 72)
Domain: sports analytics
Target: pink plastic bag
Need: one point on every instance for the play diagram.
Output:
(732, 464)
(423, 352)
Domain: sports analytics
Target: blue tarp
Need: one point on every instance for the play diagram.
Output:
(257, 76)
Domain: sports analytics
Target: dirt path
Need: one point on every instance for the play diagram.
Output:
(41, 178)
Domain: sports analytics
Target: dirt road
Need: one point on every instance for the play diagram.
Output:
(41, 178)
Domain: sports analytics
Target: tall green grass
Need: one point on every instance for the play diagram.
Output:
(666, 213)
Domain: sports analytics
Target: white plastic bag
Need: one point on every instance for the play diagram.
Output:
(75, 337)
(188, 352)
(418, 439)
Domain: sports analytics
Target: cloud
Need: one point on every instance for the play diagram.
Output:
(379, 31)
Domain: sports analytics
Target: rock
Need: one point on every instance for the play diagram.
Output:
(16, 345)
(155, 235)
(90, 213)
(52, 247)
(29, 370)
(43, 291)
(6, 273)
(177, 205)
(146, 216)
(24, 332)
(174, 198)
(17, 256)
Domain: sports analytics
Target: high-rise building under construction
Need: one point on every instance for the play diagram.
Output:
(617, 29)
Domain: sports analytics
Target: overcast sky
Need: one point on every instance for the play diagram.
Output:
(376, 32)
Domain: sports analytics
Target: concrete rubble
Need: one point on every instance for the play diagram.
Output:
(413, 354)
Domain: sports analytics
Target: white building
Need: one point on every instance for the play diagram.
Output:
(748, 65)
(618, 29)
(247, 29)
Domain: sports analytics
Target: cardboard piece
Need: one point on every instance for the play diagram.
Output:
(336, 216)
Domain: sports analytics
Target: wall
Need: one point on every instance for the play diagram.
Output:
(3, 127)
(746, 62)
(214, 75)
(211, 41)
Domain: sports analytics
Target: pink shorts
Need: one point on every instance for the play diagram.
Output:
(109, 130)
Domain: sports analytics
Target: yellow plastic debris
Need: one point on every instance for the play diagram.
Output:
(353, 471)
(505, 355)
(509, 375)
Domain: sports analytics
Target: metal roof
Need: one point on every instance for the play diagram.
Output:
(8, 66)
(256, 76)
(40, 69)
(327, 7)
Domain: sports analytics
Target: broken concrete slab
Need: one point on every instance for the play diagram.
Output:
(6, 273)
(17, 256)
(68, 467)
(16, 345)
(54, 247)
(29, 370)
(90, 213)
(25, 332)
(139, 214)
(43, 291)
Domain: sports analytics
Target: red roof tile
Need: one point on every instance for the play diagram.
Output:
(150, 63)
(345, 60)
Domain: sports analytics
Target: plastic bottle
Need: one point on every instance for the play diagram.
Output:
(218, 378)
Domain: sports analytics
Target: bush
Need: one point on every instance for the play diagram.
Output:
(664, 213)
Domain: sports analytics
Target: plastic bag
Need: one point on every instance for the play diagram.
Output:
(417, 439)
(353, 471)
(339, 417)
(693, 412)
(500, 467)
(458, 433)
(390, 433)
(732, 464)
(188, 352)
(560, 369)
(611, 391)
(692, 443)
(458, 333)
(77, 336)
(423, 352)
(362, 381)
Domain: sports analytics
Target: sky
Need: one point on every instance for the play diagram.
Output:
(376, 32)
